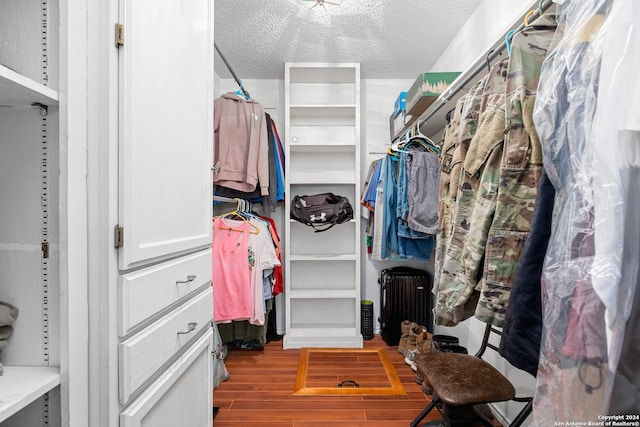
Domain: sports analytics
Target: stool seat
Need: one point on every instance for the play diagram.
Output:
(462, 379)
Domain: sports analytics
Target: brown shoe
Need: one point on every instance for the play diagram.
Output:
(423, 346)
(404, 336)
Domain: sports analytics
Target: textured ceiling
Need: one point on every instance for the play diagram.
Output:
(389, 38)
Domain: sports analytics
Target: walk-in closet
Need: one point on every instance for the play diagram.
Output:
(317, 213)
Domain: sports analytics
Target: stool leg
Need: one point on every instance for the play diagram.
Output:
(483, 419)
(422, 414)
(522, 415)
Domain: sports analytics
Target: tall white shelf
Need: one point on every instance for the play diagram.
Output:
(322, 270)
(29, 215)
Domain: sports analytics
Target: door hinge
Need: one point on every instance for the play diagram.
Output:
(45, 249)
(119, 35)
(118, 236)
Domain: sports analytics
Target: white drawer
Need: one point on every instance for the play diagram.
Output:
(181, 396)
(146, 292)
(144, 353)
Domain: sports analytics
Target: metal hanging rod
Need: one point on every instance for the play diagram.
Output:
(235, 77)
(482, 66)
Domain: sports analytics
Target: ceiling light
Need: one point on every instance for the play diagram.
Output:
(323, 3)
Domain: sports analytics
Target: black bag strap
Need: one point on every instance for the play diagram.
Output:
(319, 230)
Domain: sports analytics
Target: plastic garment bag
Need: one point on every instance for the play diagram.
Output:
(582, 116)
(616, 184)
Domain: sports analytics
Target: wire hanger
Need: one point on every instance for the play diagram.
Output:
(488, 61)
(235, 214)
(242, 91)
(431, 146)
(448, 115)
(526, 18)
(507, 41)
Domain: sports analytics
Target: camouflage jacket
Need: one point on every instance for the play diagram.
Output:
(450, 277)
(519, 172)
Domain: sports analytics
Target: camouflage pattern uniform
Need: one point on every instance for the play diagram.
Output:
(519, 173)
(482, 173)
(451, 283)
(448, 146)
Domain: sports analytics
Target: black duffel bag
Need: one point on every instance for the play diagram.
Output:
(321, 211)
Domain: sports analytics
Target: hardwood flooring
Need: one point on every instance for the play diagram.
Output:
(259, 392)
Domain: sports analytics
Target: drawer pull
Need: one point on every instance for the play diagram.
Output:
(190, 278)
(191, 325)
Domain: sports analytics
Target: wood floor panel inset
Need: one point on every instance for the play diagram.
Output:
(261, 384)
(346, 372)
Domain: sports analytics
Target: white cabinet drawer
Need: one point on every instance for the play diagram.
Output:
(145, 352)
(146, 292)
(181, 396)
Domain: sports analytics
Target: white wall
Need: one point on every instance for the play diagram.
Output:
(488, 24)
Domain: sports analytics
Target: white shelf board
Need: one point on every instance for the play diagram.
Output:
(319, 179)
(323, 73)
(16, 89)
(324, 177)
(323, 337)
(328, 147)
(322, 293)
(327, 110)
(322, 257)
(22, 385)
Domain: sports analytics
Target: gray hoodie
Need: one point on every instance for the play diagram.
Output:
(241, 144)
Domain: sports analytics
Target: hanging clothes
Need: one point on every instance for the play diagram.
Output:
(241, 144)
(264, 260)
(449, 143)
(244, 276)
(452, 301)
(423, 175)
(368, 200)
(572, 373)
(270, 201)
(522, 329)
(481, 177)
(279, 160)
(231, 282)
(398, 241)
(278, 277)
(275, 157)
(616, 181)
(519, 170)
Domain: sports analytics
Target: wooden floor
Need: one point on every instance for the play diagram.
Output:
(259, 392)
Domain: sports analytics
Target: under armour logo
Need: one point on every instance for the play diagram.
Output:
(321, 218)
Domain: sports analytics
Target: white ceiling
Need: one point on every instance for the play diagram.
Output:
(389, 38)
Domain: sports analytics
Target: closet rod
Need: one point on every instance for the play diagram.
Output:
(235, 77)
(482, 66)
(224, 199)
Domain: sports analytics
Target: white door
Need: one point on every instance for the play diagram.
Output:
(165, 128)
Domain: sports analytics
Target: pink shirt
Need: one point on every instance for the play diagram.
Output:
(231, 282)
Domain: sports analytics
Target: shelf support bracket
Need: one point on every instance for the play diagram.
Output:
(43, 109)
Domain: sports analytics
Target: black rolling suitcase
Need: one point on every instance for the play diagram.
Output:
(405, 294)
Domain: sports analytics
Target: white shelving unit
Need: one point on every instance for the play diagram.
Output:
(22, 385)
(322, 270)
(16, 89)
(29, 213)
(108, 261)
